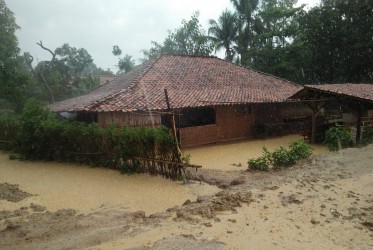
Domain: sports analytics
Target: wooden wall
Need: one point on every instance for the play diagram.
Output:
(277, 112)
(129, 119)
(232, 123)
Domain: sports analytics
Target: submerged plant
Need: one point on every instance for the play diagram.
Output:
(281, 157)
(337, 137)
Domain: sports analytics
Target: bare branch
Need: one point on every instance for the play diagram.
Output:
(29, 59)
(50, 51)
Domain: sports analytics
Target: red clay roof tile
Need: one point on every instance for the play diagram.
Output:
(191, 81)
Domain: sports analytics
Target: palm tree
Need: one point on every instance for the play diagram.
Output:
(224, 32)
(245, 10)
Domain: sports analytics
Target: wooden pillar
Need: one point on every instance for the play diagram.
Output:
(316, 107)
(358, 123)
(358, 108)
(173, 127)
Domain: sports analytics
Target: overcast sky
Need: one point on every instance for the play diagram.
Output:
(97, 25)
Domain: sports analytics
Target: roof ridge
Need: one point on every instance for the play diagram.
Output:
(182, 55)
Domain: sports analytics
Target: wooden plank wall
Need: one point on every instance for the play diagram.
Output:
(232, 122)
(129, 119)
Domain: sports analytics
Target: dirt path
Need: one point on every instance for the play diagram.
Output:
(322, 203)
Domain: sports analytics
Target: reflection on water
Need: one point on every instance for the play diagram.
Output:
(234, 156)
(59, 186)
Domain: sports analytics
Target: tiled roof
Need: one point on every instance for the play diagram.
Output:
(106, 79)
(191, 81)
(359, 91)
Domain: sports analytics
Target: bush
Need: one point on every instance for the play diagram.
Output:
(260, 163)
(38, 135)
(281, 157)
(337, 137)
(300, 150)
(9, 125)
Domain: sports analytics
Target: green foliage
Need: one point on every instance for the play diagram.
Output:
(224, 32)
(281, 158)
(125, 63)
(337, 137)
(338, 37)
(261, 163)
(8, 40)
(186, 159)
(39, 135)
(189, 39)
(300, 150)
(13, 81)
(8, 129)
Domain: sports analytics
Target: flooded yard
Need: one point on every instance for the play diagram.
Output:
(61, 185)
(328, 198)
(234, 156)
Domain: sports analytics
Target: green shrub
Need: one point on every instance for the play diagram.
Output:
(337, 137)
(300, 150)
(282, 158)
(38, 134)
(261, 163)
(9, 125)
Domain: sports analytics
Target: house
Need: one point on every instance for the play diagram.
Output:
(354, 102)
(214, 100)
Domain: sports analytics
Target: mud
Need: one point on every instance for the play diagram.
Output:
(328, 198)
(12, 193)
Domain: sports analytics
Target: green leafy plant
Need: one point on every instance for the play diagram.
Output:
(185, 159)
(39, 135)
(337, 137)
(300, 150)
(261, 163)
(281, 157)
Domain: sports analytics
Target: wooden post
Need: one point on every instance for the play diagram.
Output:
(173, 127)
(358, 125)
(315, 111)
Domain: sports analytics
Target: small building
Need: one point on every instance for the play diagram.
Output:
(354, 104)
(213, 100)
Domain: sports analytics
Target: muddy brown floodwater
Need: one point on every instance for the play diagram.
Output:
(234, 156)
(325, 202)
(85, 189)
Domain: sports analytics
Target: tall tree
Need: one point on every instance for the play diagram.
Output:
(62, 76)
(273, 49)
(246, 10)
(125, 63)
(338, 36)
(189, 39)
(224, 33)
(11, 82)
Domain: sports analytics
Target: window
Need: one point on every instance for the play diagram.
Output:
(192, 117)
